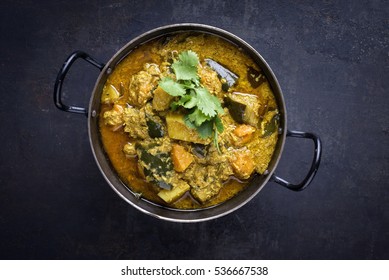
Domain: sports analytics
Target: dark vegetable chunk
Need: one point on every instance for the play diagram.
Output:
(255, 77)
(243, 108)
(199, 150)
(236, 109)
(155, 128)
(159, 163)
(229, 77)
(155, 166)
(271, 126)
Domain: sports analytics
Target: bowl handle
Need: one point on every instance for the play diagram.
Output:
(314, 166)
(61, 76)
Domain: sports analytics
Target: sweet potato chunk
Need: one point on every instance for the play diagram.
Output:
(244, 134)
(242, 163)
(181, 158)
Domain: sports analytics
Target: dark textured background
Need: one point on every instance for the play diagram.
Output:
(331, 59)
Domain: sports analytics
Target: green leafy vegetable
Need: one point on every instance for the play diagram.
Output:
(207, 103)
(197, 117)
(271, 126)
(219, 125)
(186, 66)
(203, 107)
(205, 129)
(171, 87)
(187, 101)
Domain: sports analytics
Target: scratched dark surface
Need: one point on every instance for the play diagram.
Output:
(331, 59)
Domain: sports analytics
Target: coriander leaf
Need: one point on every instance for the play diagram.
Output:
(186, 67)
(184, 72)
(188, 122)
(183, 99)
(190, 102)
(219, 125)
(186, 101)
(216, 142)
(189, 58)
(207, 103)
(197, 117)
(218, 105)
(174, 105)
(171, 87)
(205, 129)
(188, 84)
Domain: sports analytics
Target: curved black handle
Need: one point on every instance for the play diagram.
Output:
(61, 76)
(315, 163)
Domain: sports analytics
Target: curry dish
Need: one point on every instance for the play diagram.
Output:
(187, 119)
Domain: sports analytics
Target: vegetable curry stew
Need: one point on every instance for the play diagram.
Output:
(187, 119)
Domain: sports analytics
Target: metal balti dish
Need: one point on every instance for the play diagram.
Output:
(158, 211)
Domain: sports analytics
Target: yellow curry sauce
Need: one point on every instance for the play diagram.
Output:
(197, 173)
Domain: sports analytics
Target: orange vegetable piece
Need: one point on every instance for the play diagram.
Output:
(242, 163)
(181, 158)
(243, 130)
(245, 133)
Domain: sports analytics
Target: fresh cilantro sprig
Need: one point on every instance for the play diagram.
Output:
(203, 108)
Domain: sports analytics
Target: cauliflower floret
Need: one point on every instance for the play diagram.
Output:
(114, 117)
(142, 84)
(135, 122)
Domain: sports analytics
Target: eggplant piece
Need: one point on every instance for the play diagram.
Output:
(270, 126)
(243, 108)
(236, 109)
(159, 163)
(255, 77)
(199, 150)
(164, 185)
(155, 128)
(155, 166)
(224, 73)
